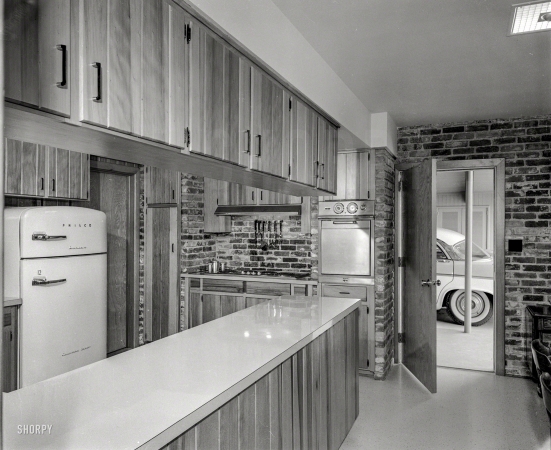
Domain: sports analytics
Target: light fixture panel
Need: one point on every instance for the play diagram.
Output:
(530, 17)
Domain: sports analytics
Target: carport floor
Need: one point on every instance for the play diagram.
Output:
(472, 410)
(457, 349)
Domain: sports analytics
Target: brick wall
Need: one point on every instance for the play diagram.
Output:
(525, 145)
(384, 262)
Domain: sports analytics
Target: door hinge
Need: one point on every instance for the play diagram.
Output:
(401, 338)
(188, 33)
(188, 137)
(401, 261)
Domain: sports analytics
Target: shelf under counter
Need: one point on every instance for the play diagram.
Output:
(12, 301)
(149, 396)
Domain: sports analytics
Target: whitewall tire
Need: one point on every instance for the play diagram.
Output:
(482, 308)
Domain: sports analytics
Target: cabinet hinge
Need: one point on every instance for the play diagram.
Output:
(188, 137)
(401, 261)
(401, 338)
(188, 33)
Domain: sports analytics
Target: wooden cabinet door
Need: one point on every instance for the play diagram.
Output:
(355, 176)
(25, 168)
(267, 125)
(105, 72)
(195, 307)
(69, 174)
(220, 98)
(304, 134)
(216, 193)
(37, 44)
(9, 349)
(161, 186)
(330, 168)
(162, 273)
(322, 154)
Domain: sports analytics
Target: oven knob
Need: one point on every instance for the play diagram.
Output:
(338, 208)
(363, 206)
(352, 208)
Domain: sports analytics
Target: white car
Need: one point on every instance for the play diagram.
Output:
(450, 269)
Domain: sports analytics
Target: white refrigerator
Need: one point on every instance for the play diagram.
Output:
(55, 260)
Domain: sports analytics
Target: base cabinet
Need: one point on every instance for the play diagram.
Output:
(367, 319)
(310, 401)
(9, 349)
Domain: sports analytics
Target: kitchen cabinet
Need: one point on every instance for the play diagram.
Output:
(366, 321)
(216, 193)
(134, 68)
(162, 306)
(270, 125)
(209, 297)
(355, 175)
(37, 54)
(327, 155)
(304, 142)
(9, 348)
(220, 86)
(162, 186)
(40, 171)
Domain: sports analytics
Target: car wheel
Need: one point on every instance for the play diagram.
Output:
(481, 309)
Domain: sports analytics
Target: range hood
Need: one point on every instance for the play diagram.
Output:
(253, 210)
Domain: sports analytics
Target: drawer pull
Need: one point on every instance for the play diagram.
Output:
(345, 293)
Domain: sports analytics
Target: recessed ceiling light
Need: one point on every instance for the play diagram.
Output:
(530, 17)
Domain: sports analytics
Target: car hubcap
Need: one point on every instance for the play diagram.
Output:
(477, 305)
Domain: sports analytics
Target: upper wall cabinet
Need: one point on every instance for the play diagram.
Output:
(41, 171)
(304, 143)
(270, 125)
(220, 86)
(161, 186)
(134, 71)
(37, 54)
(327, 156)
(355, 176)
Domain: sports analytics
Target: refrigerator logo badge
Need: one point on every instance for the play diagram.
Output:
(76, 248)
(77, 225)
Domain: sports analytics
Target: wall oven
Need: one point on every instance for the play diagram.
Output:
(346, 241)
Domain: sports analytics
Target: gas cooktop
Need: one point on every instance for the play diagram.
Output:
(258, 273)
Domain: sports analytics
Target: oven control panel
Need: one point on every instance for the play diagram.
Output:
(346, 208)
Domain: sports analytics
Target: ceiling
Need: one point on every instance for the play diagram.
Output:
(429, 61)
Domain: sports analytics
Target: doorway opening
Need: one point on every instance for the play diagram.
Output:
(456, 348)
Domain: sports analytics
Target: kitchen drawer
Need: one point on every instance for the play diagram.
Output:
(222, 285)
(330, 290)
(263, 288)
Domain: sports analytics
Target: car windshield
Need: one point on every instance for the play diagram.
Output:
(459, 251)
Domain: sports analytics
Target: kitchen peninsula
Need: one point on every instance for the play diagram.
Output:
(281, 372)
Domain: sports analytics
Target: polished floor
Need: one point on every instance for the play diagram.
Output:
(460, 350)
(472, 410)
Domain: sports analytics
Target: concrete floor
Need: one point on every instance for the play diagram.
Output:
(472, 410)
(457, 349)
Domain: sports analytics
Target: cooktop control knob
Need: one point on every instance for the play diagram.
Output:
(363, 207)
(338, 208)
(352, 208)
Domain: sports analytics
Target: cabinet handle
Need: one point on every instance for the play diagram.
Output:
(97, 65)
(247, 142)
(261, 195)
(63, 83)
(253, 196)
(42, 183)
(323, 171)
(344, 293)
(259, 147)
(53, 185)
(317, 169)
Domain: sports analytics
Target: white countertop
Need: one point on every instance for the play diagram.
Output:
(152, 394)
(244, 277)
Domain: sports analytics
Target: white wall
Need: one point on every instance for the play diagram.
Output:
(261, 27)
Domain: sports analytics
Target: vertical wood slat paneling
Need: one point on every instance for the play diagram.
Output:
(29, 54)
(309, 401)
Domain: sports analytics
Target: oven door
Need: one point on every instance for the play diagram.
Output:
(346, 247)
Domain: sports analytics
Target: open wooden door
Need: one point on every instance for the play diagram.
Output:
(419, 291)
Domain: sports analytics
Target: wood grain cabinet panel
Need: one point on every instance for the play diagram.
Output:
(69, 174)
(37, 54)
(106, 71)
(303, 147)
(10, 349)
(216, 193)
(327, 155)
(355, 176)
(161, 186)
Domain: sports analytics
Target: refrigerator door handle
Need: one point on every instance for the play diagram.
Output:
(43, 281)
(40, 236)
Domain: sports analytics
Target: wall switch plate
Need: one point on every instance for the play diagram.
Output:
(515, 245)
